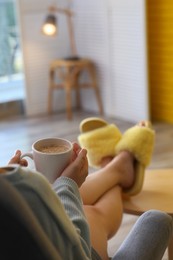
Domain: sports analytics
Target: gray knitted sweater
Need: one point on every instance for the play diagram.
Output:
(58, 209)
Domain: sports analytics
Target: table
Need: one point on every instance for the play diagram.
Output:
(157, 193)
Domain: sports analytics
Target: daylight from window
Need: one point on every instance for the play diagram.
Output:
(11, 66)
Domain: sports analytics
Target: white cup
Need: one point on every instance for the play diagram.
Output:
(50, 156)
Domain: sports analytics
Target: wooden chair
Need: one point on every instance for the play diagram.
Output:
(69, 72)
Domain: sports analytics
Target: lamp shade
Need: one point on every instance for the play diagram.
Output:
(50, 25)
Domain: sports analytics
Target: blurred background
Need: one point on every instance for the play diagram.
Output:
(131, 45)
(130, 42)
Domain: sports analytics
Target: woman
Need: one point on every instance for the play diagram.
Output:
(92, 208)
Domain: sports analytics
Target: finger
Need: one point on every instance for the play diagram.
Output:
(18, 153)
(76, 148)
(16, 158)
(83, 152)
(81, 159)
(24, 162)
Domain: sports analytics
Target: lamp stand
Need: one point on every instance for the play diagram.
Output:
(69, 15)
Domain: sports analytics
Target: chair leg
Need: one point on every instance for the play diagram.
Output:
(49, 108)
(68, 99)
(77, 87)
(94, 84)
(98, 100)
(78, 103)
(51, 77)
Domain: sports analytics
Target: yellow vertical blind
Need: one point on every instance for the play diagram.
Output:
(160, 53)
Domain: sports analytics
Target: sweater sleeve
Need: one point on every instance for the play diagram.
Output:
(68, 192)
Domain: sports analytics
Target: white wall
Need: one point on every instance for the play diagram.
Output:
(38, 52)
(111, 33)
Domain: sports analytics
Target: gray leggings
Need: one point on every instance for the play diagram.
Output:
(148, 238)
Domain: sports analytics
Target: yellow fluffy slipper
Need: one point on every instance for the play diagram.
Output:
(99, 138)
(139, 140)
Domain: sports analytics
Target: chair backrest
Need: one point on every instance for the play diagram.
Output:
(21, 236)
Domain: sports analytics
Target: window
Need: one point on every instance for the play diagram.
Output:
(11, 65)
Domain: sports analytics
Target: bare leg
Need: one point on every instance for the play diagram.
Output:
(119, 171)
(102, 197)
(104, 220)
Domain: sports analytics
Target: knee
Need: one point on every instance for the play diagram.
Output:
(157, 215)
(160, 219)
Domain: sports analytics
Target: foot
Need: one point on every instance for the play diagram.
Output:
(106, 160)
(124, 163)
(127, 169)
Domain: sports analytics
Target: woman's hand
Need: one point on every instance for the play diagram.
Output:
(77, 170)
(16, 159)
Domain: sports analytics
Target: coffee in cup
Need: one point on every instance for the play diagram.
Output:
(54, 149)
(50, 156)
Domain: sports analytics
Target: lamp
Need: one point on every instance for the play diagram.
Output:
(50, 26)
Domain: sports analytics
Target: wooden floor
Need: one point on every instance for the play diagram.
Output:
(20, 132)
